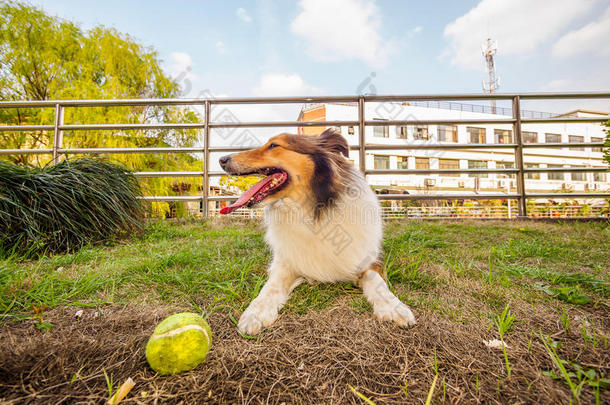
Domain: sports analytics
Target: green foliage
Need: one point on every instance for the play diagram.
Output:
(47, 58)
(504, 321)
(607, 143)
(574, 375)
(63, 207)
(241, 182)
(569, 294)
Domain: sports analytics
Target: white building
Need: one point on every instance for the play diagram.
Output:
(464, 158)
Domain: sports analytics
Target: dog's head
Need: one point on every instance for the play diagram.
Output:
(304, 168)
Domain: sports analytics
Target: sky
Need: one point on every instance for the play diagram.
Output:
(346, 47)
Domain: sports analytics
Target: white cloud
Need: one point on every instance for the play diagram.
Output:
(592, 38)
(243, 15)
(220, 47)
(558, 85)
(282, 84)
(593, 82)
(181, 65)
(334, 30)
(519, 26)
(415, 31)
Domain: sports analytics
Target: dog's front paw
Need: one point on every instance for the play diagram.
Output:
(249, 324)
(394, 310)
(252, 321)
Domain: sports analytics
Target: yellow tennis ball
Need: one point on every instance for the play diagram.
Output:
(179, 343)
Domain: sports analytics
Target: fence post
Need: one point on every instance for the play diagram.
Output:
(206, 160)
(361, 136)
(519, 156)
(58, 136)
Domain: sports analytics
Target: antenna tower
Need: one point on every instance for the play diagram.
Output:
(490, 48)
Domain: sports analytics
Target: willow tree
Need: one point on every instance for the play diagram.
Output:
(48, 58)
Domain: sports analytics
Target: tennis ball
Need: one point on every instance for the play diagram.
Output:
(179, 343)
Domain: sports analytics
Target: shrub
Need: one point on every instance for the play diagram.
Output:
(607, 143)
(60, 208)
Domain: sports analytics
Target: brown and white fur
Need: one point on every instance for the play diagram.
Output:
(323, 225)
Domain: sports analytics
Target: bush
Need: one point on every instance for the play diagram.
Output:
(60, 208)
(607, 143)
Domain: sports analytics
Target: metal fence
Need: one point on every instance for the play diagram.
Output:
(207, 125)
(475, 108)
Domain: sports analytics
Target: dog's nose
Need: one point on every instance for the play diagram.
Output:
(224, 160)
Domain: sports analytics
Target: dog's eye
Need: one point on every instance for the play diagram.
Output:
(273, 145)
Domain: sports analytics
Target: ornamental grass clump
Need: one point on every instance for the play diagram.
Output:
(60, 208)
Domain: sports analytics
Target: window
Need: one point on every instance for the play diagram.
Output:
(449, 164)
(532, 176)
(505, 165)
(476, 135)
(578, 176)
(401, 132)
(420, 132)
(381, 131)
(503, 136)
(597, 148)
(477, 164)
(599, 176)
(447, 133)
(422, 163)
(576, 139)
(381, 162)
(555, 175)
(402, 162)
(529, 137)
(552, 138)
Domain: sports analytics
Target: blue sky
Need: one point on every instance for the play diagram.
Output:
(329, 47)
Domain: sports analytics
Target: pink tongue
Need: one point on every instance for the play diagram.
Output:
(251, 192)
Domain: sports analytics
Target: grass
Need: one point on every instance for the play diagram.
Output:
(201, 261)
(62, 207)
(504, 322)
(554, 276)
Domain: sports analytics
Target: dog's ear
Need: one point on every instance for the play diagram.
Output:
(322, 182)
(333, 141)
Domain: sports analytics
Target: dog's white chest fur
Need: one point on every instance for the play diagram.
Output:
(338, 246)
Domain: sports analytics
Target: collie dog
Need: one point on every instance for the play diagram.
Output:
(323, 223)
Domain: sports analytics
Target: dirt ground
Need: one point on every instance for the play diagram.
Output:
(302, 359)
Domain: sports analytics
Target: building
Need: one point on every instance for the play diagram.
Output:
(464, 158)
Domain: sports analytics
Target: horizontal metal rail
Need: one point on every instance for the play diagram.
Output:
(59, 127)
(398, 171)
(168, 174)
(26, 151)
(170, 198)
(564, 145)
(131, 150)
(271, 124)
(439, 171)
(565, 169)
(16, 128)
(494, 196)
(406, 146)
(456, 145)
(380, 122)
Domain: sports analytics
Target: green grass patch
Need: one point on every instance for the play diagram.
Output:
(200, 261)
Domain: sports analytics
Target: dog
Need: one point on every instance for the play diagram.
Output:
(323, 223)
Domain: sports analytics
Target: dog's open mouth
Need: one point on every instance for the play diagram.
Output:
(274, 181)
